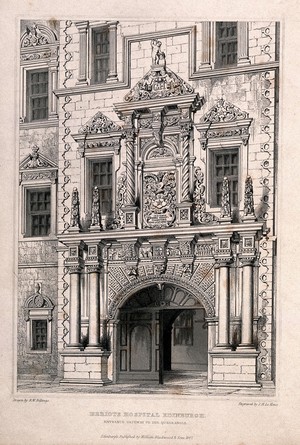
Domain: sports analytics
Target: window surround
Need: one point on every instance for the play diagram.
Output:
(99, 139)
(40, 57)
(218, 135)
(86, 31)
(37, 177)
(209, 47)
(38, 307)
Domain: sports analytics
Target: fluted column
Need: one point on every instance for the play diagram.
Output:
(93, 265)
(247, 305)
(74, 264)
(223, 335)
(94, 306)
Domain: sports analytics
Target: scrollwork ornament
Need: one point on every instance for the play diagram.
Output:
(248, 197)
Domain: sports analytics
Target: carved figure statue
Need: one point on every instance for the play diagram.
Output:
(75, 208)
(225, 203)
(158, 56)
(248, 198)
(35, 160)
(96, 215)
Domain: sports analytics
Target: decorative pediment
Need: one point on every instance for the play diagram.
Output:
(160, 81)
(224, 121)
(36, 160)
(38, 303)
(224, 111)
(37, 167)
(99, 124)
(37, 35)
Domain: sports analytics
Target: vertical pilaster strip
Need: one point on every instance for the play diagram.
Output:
(206, 46)
(243, 53)
(82, 72)
(112, 75)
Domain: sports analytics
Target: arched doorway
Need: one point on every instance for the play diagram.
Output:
(161, 329)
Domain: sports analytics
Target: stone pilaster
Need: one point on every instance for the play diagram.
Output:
(243, 54)
(82, 27)
(93, 265)
(206, 47)
(74, 264)
(112, 74)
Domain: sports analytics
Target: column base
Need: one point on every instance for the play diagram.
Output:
(225, 219)
(233, 368)
(85, 367)
(95, 228)
(246, 347)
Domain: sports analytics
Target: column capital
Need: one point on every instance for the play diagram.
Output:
(82, 25)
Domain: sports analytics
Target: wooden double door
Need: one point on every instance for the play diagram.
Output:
(146, 339)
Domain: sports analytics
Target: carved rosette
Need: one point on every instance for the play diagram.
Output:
(159, 199)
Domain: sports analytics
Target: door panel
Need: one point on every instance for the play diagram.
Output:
(140, 348)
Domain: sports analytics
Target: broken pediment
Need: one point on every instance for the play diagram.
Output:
(36, 160)
(37, 35)
(224, 111)
(99, 124)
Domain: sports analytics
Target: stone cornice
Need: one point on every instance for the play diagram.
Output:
(122, 235)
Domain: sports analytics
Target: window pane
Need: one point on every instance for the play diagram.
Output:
(39, 334)
(226, 47)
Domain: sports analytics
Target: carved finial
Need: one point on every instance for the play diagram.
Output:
(248, 197)
(75, 208)
(38, 287)
(225, 204)
(158, 56)
(96, 215)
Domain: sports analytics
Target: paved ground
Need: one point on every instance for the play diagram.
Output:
(193, 385)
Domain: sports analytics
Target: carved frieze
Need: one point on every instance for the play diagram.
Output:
(159, 199)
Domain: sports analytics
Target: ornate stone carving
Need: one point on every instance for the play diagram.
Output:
(170, 121)
(159, 199)
(199, 213)
(96, 215)
(159, 81)
(34, 37)
(75, 217)
(120, 202)
(33, 176)
(248, 197)
(160, 152)
(99, 124)
(224, 111)
(225, 203)
(146, 252)
(35, 160)
(158, 56)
